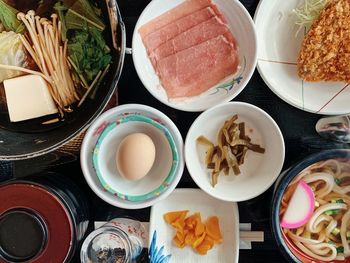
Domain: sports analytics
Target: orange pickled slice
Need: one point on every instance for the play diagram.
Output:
(179, 243)
(191, 231)
(190, 238)
(173, 216)
(205, 246)
(199, 240)
(212, 228)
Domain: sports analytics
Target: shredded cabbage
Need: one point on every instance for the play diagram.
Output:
(308, 12)
(12, 53)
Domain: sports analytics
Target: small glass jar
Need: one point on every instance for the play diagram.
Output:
(121, 240)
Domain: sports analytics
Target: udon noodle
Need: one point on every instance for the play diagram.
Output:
(326, 236)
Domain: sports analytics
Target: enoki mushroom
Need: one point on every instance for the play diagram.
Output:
(49, 52)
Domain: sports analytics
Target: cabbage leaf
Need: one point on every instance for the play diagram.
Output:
(12, 53)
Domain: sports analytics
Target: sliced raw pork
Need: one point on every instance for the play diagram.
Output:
(193, 71)
(184, 9)
(162, 35)
(192, 37)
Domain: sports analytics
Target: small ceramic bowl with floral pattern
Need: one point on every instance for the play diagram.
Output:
(99, 148)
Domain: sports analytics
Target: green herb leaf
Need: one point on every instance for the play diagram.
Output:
(89, 53)
(80, 13)
(8, 17)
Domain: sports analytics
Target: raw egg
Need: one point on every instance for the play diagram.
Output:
(135, 156)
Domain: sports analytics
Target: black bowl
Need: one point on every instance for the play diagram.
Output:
(29, 139)
(281, 185)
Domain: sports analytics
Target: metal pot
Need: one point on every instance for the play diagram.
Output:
(31, 142)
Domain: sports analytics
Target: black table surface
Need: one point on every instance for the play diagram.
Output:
(297, 127)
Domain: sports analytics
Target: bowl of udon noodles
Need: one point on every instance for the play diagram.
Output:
(325, 235)
(74, 52)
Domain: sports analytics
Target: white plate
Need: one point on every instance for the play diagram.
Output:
(278, 49)
(242, 27)
(195, 200)
(258, 172)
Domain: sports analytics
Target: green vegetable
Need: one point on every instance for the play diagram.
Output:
(308, 12)
(335, 231)
(332, 212)
(340, 249)
(61, 9)
(348, 235)
(337, 181)
(81, 13)
(12, 53)
(88, 53)
(8, 17)
(337, 201)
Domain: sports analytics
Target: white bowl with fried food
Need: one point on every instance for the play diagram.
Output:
(259, 170)
(281, 42)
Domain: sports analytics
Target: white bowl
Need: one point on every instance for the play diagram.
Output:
(162, 172)
(258, 172)
(129, 188)
(242, 27)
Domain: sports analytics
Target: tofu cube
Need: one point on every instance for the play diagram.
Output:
(28, 97)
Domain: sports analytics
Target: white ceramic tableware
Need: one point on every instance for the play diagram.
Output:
(242, 27)
(107, 156)
(163, 170)
(278, 50)
(195, 200)
(258, 172)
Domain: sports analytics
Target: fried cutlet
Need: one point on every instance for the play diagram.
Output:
(325, 51)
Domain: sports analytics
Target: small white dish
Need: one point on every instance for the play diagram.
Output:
(278, 52)
(242, 28)
(258, 172)
(87, 152)
(162, 172)
(226, 252)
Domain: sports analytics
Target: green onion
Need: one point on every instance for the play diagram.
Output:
(337, 201)
(348, 235)
(337, 181)
(340, 249)
(335, 231)
(332, 212)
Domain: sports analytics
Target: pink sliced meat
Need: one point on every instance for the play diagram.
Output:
(193, 71)
(184, 9)
(218, 13)
(194, 36)
(160, 36)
